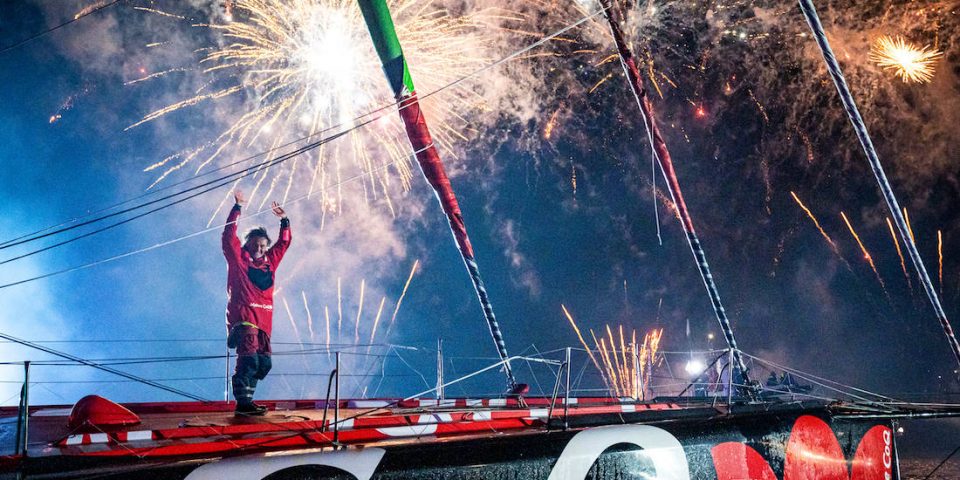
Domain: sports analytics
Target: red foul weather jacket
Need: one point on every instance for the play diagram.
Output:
(250, 281)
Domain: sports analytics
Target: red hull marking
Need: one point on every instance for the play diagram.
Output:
(812, 453)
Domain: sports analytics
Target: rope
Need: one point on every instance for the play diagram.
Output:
(810, 12)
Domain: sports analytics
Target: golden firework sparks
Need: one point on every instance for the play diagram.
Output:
(816, 222)
(940, 257)
(551, 124)
(634, 364)
(907, 61)
(906, 218)
(573, 179)
(310, 66)
(607, 377)
(615, 365)
(903, 263)
(611, 371)
(601, 82)
(866, 254)
(582, 341)
(763, 111)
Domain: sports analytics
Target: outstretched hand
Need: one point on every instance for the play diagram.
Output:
(278, 210)
(238, 197)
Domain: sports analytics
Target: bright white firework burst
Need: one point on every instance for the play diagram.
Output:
(909, 62)
(303, 66)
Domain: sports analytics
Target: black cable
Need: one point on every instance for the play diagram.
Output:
(64, 24)
(943, 462)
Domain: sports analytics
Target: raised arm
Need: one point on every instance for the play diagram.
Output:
(283, 240)
(229, 241)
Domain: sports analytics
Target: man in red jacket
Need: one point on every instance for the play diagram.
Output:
(251, 271)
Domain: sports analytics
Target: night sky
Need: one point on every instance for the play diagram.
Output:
(746, 108)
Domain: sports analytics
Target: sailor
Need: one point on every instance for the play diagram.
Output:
(251, 271)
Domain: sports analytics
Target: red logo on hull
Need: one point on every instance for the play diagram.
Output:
(812, 452)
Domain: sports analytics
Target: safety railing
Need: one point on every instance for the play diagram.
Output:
(396, 373)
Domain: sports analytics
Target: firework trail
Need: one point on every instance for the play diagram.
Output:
(816, 222)
(605, 372)
(806, 145)
(356, 334)
(907, 61)
(326, 317)
(763, 111)
(68, 104)
(296, 332)
(635, 357)
(667, 202)
(648, 353)
(906, 216)
(406, 285)
(626, 368)
(940, 258)
(551, 124)
(615, 363)
(903, 263)
(582, 341)
(89, 9)
(614, 381)
(309, 316)
(573, 180)
(866, 254)
(376, 321)
(339, 307)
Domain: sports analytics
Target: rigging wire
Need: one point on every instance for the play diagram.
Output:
(52, 29)
(104, 368)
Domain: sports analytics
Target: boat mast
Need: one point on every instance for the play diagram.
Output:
(384, 36)
(612, 13)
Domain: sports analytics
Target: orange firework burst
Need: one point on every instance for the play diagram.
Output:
(866, 254)
(310, 67)
(907, 61)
